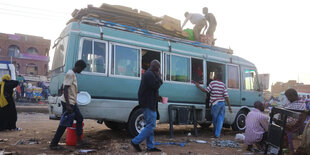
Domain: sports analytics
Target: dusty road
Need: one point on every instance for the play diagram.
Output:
(38, 128)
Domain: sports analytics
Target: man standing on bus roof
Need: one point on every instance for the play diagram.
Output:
(69, 103)
(148, 100)
(198, 20)
(218, 96)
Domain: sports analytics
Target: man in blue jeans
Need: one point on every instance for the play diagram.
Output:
(218, 96)
(148, 100)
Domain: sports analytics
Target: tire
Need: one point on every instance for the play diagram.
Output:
(115, 125)
(239, 124)
(205, 125)
(136, 122)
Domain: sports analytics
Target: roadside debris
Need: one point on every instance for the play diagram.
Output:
(125, 147)
(201, 141)
(182, 144)
(2, 152)
(87, 151)
(240, 137)
(3, 140)
(225, 143)
(25, 142)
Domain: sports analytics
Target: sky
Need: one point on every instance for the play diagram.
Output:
(273, 34)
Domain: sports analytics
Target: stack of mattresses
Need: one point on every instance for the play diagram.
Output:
(132, 17)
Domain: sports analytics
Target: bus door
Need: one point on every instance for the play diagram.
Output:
(233, 84)
(250, 91)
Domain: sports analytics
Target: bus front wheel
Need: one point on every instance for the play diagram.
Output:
(136, 122)
(239, 124)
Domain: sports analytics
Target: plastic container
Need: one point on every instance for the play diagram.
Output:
(71, 137)
(164, 100)
(190, 33)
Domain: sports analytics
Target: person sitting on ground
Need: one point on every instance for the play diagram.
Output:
(256, 126)
(8, 114)
(294, 104)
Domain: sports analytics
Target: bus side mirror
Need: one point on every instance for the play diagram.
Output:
(264, 81)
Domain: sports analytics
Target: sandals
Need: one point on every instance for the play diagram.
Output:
(16, 129)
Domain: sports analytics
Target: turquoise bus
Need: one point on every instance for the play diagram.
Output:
(116, 57)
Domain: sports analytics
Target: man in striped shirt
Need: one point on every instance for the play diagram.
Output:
(218, 96)
(256, 126)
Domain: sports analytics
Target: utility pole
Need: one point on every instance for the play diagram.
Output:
(298, 78)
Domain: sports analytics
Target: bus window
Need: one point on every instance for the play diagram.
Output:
(167, 67)
(214, 68)
(87, 54)
(94, 54)
(99, 57)
(60, 54)
(126, 61)
(147, 57)
(250, 80)
(233, 77)
(180, 68)
(197, 70)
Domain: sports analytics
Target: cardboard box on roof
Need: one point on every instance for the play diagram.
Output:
(132, 17)
(119, 7)
(170, 23)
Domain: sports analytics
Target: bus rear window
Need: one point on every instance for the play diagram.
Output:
(60, 54)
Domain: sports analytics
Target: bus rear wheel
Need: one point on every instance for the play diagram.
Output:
(115, 125)
(136, 122)
(239, 124)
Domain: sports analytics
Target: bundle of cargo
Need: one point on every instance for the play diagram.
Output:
(207, 39)
(132, 17)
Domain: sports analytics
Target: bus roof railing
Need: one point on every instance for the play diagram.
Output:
(122, 27)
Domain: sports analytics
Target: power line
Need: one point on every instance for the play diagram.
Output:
(32, 13)
(44, 10)
(30, 16)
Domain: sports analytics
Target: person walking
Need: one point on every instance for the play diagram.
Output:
(8, 114)
(218, 96)
(68, 100)
(148, 100)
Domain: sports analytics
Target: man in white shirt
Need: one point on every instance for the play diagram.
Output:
(69, 103)
(198, 20)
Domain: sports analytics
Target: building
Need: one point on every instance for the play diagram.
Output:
(279, 87)
(29, 54)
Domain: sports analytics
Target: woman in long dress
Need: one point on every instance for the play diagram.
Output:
(8, 114)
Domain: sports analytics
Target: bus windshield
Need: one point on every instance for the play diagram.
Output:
(60, 54)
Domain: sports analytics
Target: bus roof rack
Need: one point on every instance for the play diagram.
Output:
(122, 27)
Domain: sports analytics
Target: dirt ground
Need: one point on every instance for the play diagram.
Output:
(36, 127)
